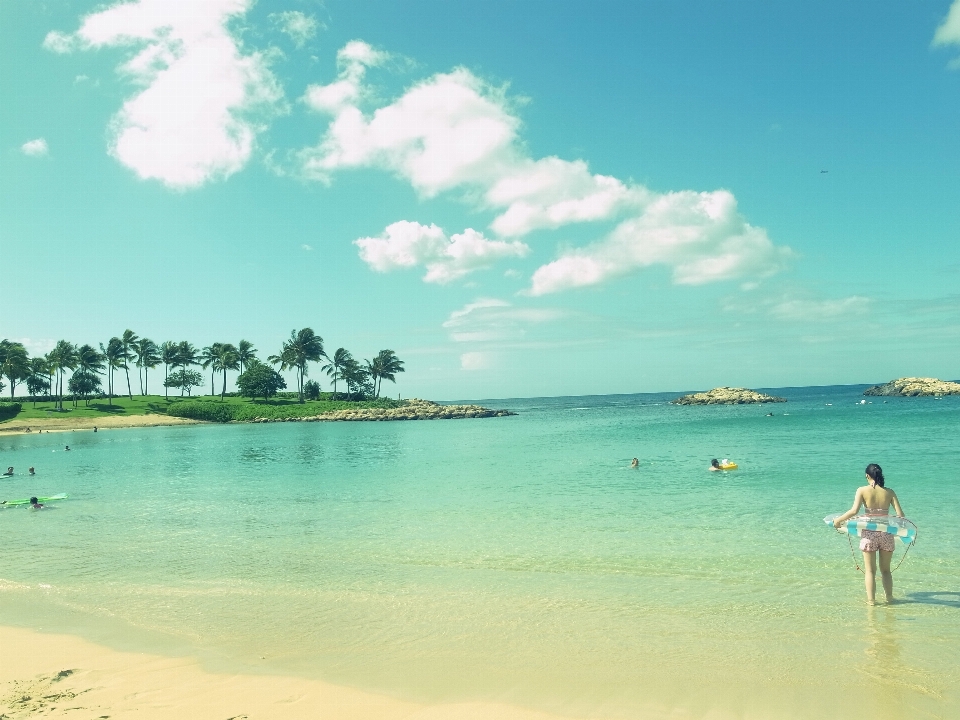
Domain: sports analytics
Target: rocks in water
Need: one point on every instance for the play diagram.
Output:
(413, 409)
(914, 387)
(727, 396)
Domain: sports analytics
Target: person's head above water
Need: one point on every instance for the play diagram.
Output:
(715, 463)
(34, 500)
(874, 472)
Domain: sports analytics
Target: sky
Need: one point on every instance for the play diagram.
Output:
(520, 198)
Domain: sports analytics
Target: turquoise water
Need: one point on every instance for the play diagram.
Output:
(515, 559)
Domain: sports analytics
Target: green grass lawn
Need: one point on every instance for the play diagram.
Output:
(236, 408)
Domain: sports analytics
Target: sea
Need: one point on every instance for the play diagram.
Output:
(517, 559)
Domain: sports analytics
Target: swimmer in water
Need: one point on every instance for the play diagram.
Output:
(714, 465)
(66, 449)
(9, 472)
(635, 463)
(36, 504)
(32, 471)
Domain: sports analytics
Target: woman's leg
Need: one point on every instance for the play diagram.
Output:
(885, 575)
(870, 575)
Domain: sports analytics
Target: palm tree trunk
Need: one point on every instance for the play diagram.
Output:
(129, 391)
(224, 392)
(146, 380)
(212, 391)
(166, 390)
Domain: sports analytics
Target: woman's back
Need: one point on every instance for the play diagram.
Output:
(877, 500)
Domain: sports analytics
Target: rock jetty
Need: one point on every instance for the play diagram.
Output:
(413, 409)
(727, 396)
(914, 387)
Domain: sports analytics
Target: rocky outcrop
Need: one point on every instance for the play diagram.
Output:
(727, 396)
(413, 409)
(914, 387)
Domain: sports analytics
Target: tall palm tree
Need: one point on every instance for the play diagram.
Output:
(90, 363)
(63, 357)
(147, 356)
(187, 355)
(115, 358)
(335, 368)
(302, 348)
(39, 378)
(227, 359)
(168, 356)
(245, 353)
(208, 357)
(14, 363)
(388, 365)
(127, 340)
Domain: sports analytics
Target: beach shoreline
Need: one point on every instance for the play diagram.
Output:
(108, 422)
(57, 675)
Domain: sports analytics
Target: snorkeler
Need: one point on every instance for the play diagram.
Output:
(36, 504)
(9, 472)
(635, 463)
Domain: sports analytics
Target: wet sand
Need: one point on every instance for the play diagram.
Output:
(65, 676)
(66, 424)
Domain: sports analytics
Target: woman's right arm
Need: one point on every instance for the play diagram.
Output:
(896, 504)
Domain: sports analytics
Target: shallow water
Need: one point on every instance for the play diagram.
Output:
(517, 559)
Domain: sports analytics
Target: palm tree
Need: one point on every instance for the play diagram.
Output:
(168, 356)
(63, 357)
(245, 353)
(227, 359)
(39, 378)
(208, 357)
(186, 356)
(147, 356)
(127, 340)
(335, 369)
(354, 375)
(115, 357)
(388, 365)
(14, 363)
(89, 365)
(302, 348)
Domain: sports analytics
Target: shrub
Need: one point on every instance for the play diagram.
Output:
(9, 410)
(311, 390)
(208, 411)
(260, 380)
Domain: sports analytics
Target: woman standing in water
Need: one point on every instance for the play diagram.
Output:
(875, 500)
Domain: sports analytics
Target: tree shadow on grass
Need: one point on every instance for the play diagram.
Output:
(945, 598)
(112, 409)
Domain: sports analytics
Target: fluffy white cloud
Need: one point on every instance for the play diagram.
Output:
(700, 235)
(475, 361)
(820, 310)
(297, 25)
(35, 148)
(408, 244)
(949, 31)
(454, 131)
(203, 100)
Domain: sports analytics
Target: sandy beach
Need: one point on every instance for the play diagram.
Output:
(65, 676)
(66, 424)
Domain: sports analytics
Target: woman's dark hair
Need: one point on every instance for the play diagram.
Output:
(875, 473)
(715, 462)
(34, 500)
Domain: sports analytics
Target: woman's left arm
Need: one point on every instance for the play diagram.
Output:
(857, 502)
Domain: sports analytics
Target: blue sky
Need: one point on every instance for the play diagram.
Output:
(519, 198)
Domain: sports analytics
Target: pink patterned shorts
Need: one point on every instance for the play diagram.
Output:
(873, 540)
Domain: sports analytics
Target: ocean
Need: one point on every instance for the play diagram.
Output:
(516, 559)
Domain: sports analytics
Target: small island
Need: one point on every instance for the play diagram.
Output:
(727, 396)
(915, 387)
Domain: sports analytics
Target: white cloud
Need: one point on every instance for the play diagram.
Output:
(700, 235)
(35, 148)
(493, 320)
(475, 361)
(203, 101)
(37, 347)
(820, 310)
(297, 25)
(949, 31)
(81, 78)
(408, 244)
(454, 131)
(306, 247)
